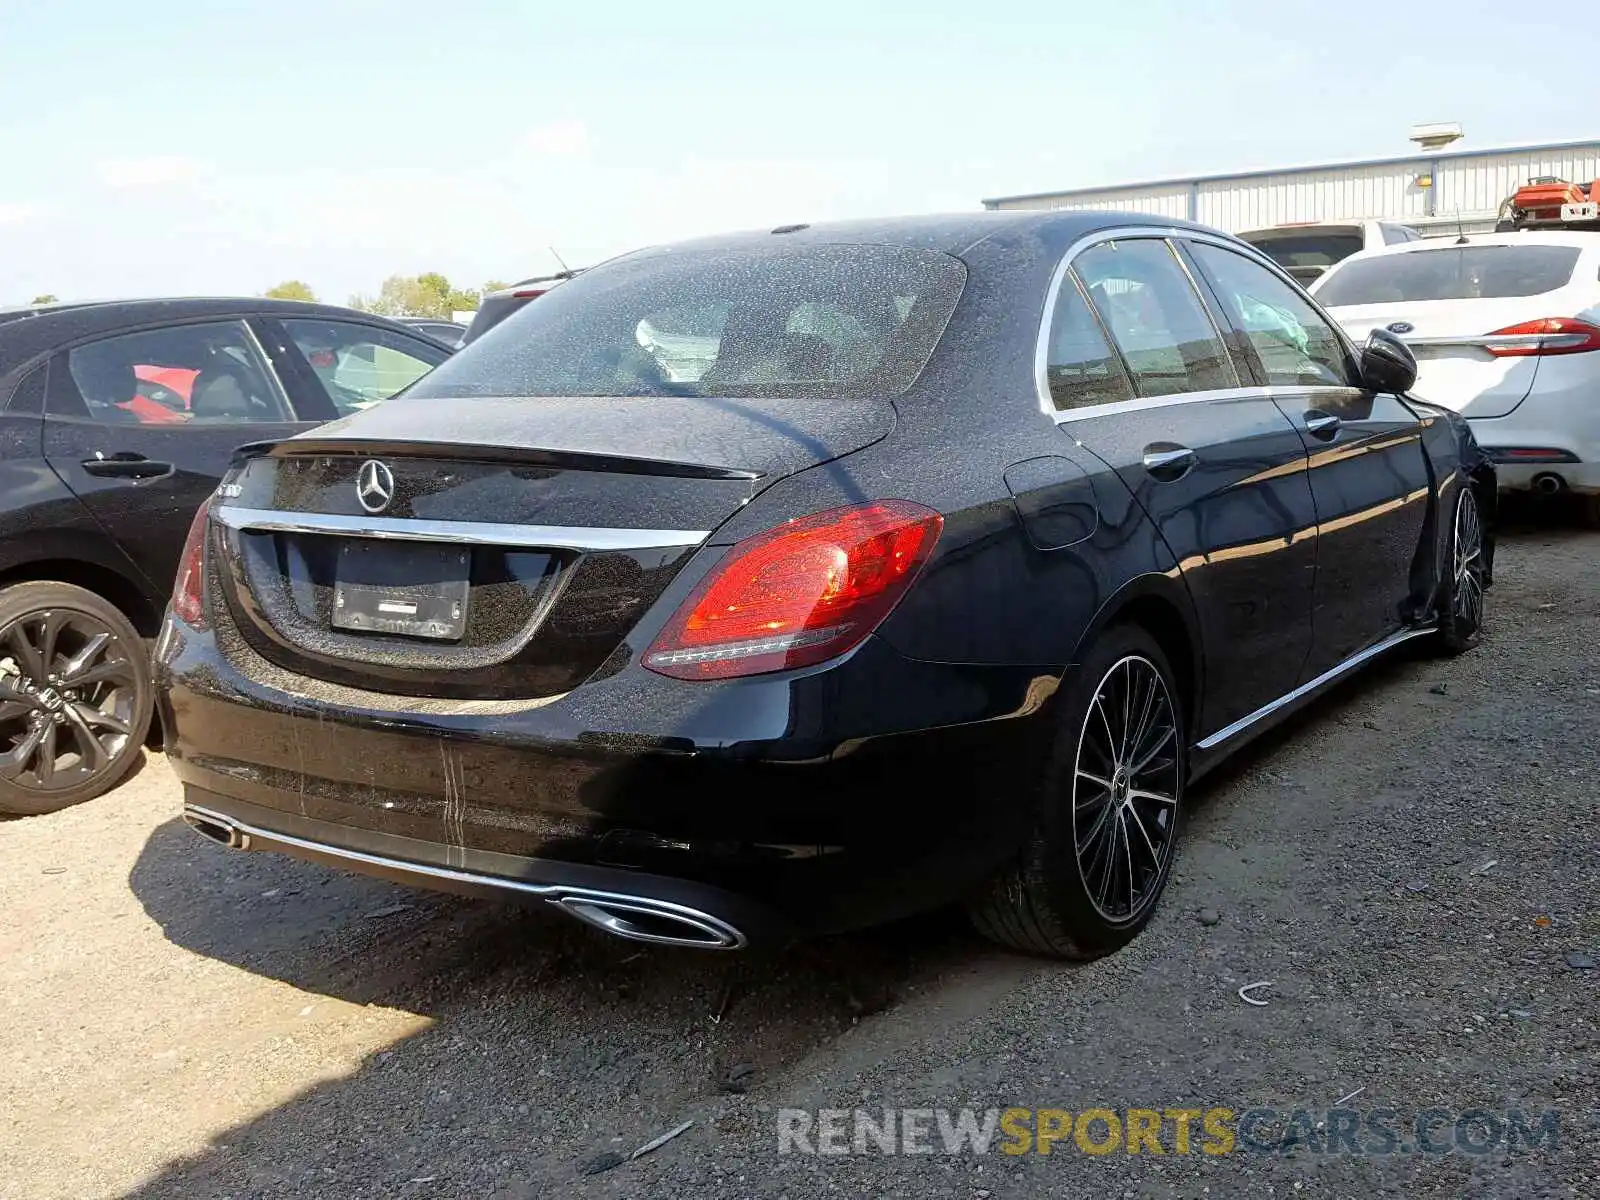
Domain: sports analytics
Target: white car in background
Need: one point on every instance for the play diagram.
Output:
(1506, 330)
(1309, 249)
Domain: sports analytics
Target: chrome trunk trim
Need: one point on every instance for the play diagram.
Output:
(472, 533)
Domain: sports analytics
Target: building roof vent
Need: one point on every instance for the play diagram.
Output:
(1436, 135)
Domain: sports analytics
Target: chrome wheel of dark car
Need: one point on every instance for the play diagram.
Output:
(1462, 603)
(68, 693)
(1125, 789)
(1467, 561)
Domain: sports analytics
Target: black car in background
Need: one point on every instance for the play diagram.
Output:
(792, 581)
(497, 306)
(450, 333)
(116, 421)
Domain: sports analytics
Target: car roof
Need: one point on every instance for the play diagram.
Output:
(26, 332)
(951, 233)
(1553, 237)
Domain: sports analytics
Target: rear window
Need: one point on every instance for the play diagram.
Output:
(1308, 249)
(1451, 273)
(813, 322)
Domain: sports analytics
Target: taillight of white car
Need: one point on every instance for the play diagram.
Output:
(1547, 335)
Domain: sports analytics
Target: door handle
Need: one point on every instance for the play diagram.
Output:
(125, 465)
(1322, 425)
(1167, 461)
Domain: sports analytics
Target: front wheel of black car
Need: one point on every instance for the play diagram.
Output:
(75, 697)
(1461, 618)
(1107, 817)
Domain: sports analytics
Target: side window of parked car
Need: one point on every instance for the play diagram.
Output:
(1081, 368)
(1293, 344)
(359, 365)
(208, 373)
(1155, 317)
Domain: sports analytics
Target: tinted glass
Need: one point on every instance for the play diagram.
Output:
(1080, 365)
(803, 322)
(1155, 317)
(1451, 273)
(1291, 341)
(1309, 249)
(182, 374)
(359, 365)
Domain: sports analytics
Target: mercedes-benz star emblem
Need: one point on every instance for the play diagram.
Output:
(374, 486)
(1401, 327)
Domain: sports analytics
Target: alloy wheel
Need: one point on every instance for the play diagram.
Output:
(1467, 562)
(1125, 789)
(68, 698)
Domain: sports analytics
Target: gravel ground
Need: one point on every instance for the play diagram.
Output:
(179, 1021)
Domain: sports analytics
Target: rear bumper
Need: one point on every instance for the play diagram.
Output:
(780, 805)
(1566, 421)
(1576, 476)
(630, 904)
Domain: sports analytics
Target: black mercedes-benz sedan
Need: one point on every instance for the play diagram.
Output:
(117, 419)
(792, 581)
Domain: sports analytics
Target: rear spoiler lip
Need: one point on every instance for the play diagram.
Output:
(571, 460)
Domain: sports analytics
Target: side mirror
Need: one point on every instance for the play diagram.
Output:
(1387, 364)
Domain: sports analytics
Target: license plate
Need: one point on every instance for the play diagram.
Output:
(410, 590)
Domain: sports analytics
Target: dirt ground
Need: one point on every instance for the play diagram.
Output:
(180, 1021)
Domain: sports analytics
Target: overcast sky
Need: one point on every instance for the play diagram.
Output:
(219, 146)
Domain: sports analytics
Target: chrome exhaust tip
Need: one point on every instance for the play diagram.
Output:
(1549, 484)
(217, 829)
(657, 922)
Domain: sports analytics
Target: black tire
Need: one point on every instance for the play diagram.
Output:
(1049, 901)
(1463, 591)
(74, 690)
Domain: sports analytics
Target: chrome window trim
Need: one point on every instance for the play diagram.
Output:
(1144, 403)
(1041, 349)
(473, 533)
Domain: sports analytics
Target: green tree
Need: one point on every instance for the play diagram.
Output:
(291, 289)
(47, 298)
(427, 295)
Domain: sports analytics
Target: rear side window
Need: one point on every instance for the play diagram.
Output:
(1081, 368)
(1451, 273)
(359, 365)
(809, 322)
(1156, 319)
(198, 374)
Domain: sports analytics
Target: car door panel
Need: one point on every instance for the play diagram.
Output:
(1371, 482)
(1368, 475)
(1241, 524)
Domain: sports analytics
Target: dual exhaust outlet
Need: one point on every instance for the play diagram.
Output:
(636, 918)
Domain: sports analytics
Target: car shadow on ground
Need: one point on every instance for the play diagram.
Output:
(558, 1018)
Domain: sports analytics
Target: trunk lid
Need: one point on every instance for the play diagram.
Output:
(1450, 339)
(498, 548)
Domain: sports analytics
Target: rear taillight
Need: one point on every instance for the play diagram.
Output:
(1547, 335)
(188, 590)
(530, 294)
(799, 594)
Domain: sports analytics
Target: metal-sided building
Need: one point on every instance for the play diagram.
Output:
(1433, 191)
